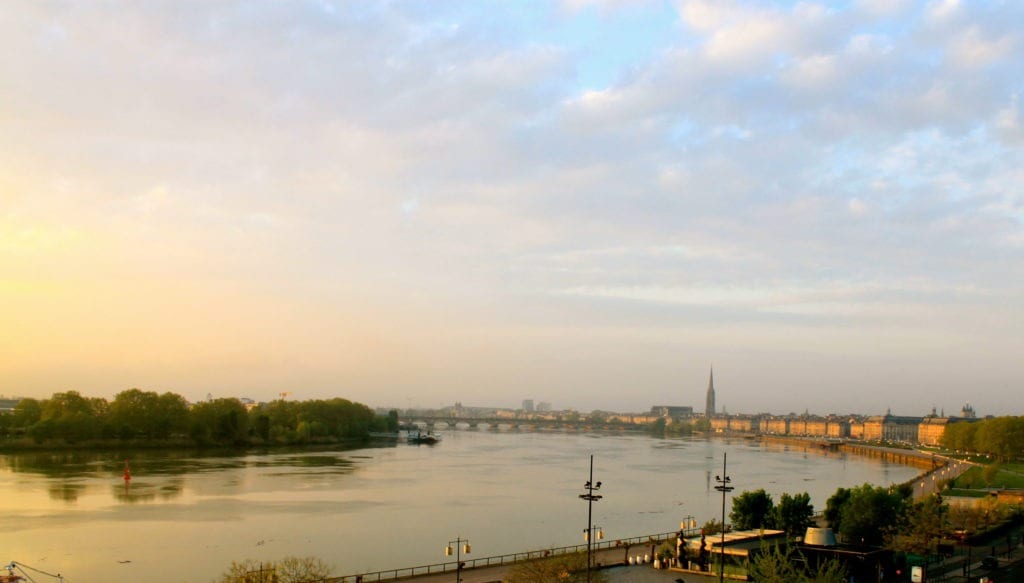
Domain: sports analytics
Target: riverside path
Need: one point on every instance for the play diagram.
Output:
(491, 569)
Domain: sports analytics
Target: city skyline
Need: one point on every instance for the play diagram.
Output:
(584, 201)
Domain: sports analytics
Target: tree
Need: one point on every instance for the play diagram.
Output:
(783, 564)
(27, 413)
(713, 526)
(927, 522)
(564, 568)
(960, 436)
(136, 413)
(866, 514)
(287, 570)
(220, 420)
(794, 514)
(834, 508)
(752, 509)
(71, 417)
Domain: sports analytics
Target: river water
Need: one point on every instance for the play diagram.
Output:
(185, 516)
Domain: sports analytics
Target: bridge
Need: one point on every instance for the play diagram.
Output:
(505, 423)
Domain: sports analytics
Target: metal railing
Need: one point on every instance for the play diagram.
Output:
(501, 560)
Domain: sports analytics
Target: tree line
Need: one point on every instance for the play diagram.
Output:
(149, 417)
(999, 437)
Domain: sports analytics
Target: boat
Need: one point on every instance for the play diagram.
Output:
(416, 436)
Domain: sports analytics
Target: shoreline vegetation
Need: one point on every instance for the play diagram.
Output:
(138, 419)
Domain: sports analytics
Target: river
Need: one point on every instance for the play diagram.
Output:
(185, 515)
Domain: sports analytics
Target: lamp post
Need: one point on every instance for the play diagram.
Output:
(723, 487)
(590, 497)
(461, 546)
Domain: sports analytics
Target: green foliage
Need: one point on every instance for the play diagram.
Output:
(927, 522)
(713, 526)
(1000, 437)
(565, 568)
(866, 514)
(834, 508)
(145, 414)
(27, 412)
(990, 476)
(222, 421)
(784, 564)
(145, 417)
(753, 510)
(794, 514)
(287, 570)
(675, 428)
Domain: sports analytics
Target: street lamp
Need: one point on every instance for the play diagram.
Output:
(461, 546)
(723, 487)
(590, 497)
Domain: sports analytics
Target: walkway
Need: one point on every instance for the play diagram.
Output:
(490, 569)
(930, 482)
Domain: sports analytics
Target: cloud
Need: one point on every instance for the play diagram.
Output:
(460, 171)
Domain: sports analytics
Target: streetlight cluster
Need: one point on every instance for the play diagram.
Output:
(723, 487)
(591, 497)
(461, 545)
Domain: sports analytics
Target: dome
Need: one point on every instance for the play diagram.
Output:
(820, 537)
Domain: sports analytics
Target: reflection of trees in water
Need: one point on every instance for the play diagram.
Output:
(66, 491)
(173, 462)
(138, 492)
(65, 464)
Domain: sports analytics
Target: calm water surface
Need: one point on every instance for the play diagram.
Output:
(185, 517)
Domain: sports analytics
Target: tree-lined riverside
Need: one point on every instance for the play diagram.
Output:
(146, 418)
(186, 516)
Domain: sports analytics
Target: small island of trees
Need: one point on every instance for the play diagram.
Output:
(146, 418)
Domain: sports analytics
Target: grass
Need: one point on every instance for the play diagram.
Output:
(974, 478)
(1017, 467)
(962, 493)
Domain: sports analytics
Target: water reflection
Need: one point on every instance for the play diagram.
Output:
(85, 464)
(135, 491)
(66, 491)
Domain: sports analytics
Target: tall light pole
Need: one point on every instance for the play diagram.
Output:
(461, 546)
(590, 497)
(723, 487)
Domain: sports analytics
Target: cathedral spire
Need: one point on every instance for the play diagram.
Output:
(709, 408)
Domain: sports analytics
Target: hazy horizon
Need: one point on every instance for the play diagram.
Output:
(583, 202)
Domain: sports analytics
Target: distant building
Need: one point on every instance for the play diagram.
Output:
(543, 406)
(735, 423)
(673, 411)
(775, 425)
(528, 405)
(968, 412)
(890, 427)
(932, 428)
(709, 407)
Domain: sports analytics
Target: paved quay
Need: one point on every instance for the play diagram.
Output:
(617, 556)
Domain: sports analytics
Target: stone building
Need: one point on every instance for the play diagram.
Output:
(890, 427)
(775, 425)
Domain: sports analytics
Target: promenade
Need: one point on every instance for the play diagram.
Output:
(491, 569)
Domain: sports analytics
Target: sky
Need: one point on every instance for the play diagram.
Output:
(583, 202)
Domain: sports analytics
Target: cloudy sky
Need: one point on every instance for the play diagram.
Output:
(586, 202)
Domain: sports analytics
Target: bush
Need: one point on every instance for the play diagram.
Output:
(287, 570)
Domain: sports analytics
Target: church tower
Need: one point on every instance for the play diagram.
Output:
(709, 409)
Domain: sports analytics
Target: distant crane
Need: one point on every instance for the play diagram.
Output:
(284, 394)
